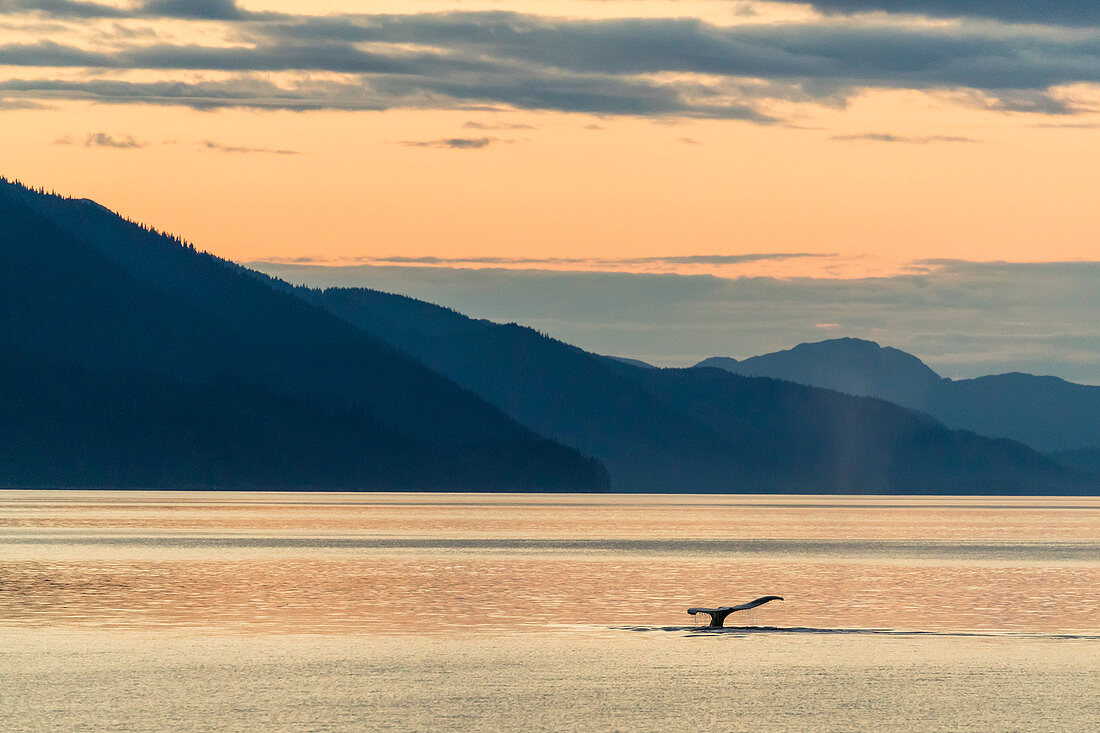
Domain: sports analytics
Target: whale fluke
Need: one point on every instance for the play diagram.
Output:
(718, 615)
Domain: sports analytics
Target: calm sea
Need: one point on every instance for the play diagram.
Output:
(238, 611)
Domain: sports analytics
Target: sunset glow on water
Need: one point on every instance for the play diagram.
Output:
(460, 589)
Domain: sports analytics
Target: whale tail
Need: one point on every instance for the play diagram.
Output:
(718, 615)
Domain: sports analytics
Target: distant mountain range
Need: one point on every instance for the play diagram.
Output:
(696, 430)
(1047, 413)
(129, 359)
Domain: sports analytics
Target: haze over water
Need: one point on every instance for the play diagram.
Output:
(145, 610)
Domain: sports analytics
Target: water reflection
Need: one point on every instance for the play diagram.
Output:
(430, 594)
(421, 565)
(652, 517)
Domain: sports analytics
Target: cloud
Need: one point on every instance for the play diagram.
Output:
(240, 92)
(1030, 102)
(720, 259)
(590, 96)
(219, 147)
(585, 263)
(649, 67)
(839, 54)
(103, 140)
(473, 125)
(14, 104)
(453, 143)
(201, 9)
(1067, 125)
(1045, 12)
(881, 137)
(64, 8)
(964, 318)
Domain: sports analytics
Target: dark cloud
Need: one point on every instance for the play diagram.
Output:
(64, 8)
(654, 67)
(240, 92)
(454, 143)
(882, 137)
(583, 262)
(474, 125)
(964, 318)
(340, 58)
(835, 55)
(103, 140)
(1044, 12)
(1031, 102)
(222, 148)
(48, 53)
(201, 9)
(438, 84)
(722, 259)
(1067, 125)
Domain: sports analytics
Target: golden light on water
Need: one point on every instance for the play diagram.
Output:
(546, 612)
(393, 563)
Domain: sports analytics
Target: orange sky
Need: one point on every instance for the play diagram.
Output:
(943, 179)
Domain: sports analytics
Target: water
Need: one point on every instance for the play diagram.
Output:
(205, 611)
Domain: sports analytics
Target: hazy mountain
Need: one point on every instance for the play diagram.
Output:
(1085, 459)
(1047, 413)
(131, 359)
(696, 430)
(632, 362)
(848, 365)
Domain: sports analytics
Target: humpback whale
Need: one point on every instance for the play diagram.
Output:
(718, 615)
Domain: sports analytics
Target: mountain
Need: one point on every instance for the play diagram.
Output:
(697, 430)
(1086, 459)
(1047, 413)
(848, 365)
(633, 362)
(130, 359)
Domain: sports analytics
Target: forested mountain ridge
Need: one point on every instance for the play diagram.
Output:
(92, 303)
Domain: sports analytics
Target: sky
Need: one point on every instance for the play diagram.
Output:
(842, 140)
(964, 319)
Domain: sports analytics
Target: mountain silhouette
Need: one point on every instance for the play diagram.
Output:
(130, 359)
(633, 362)
(1047, 413)
(696, 430)
(848, 365)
